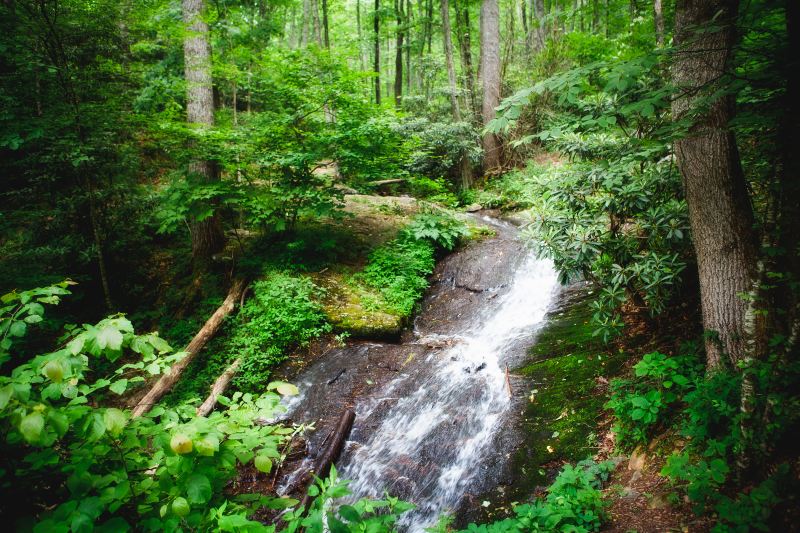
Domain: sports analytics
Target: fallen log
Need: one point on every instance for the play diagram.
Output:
(218, 388)
(206, 333)
(380, 183)
(325, 459)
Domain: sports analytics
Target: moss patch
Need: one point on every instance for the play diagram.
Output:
(567, 398)
(355, 309)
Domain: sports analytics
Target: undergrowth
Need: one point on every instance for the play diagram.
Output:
(574, 502)
(672, 394)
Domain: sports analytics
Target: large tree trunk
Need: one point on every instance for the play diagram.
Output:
(398, 54)
(465, 49)
(540, 31)
(377, 29)
(206, 333)
(490, 75)
(448, 56)
(658, 18)
(207, 236)
(719, 210)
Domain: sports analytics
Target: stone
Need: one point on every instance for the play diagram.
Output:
(637, 459)
(472, 208)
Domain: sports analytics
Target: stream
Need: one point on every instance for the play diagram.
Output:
(433, 412)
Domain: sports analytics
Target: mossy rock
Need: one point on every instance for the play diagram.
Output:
(355, 309)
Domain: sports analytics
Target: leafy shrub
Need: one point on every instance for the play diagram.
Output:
(284, 312)
(574, 503)
(640, 405)
(89, 467)
(399, 270)
(442, 230)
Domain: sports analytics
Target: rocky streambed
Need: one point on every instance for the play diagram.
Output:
(438, 415)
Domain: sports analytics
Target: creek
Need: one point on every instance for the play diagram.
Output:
(434, 412)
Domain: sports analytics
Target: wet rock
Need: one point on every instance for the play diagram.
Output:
(472, 208)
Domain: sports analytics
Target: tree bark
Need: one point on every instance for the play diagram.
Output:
(719, 210)
(377, 36)
(398, 54)
(465, 49)
(490, 74)
(448, 55)
(219, 386)
(206, 333)
(326, 35)
(539, 33)
(207, 236)
(658, 19)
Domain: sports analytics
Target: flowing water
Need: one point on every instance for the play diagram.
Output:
(423, 431)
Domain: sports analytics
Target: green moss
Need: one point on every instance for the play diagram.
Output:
(561, 417)
(357, 309)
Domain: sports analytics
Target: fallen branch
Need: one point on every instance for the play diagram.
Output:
(385, 182)
(218, 388)
(206, 333)
(326, 458)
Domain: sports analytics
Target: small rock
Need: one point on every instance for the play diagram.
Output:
(473, 208)
(658, 502)
(630, 494)
(637, 459)
(637, 475)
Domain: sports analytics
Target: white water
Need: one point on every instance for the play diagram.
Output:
(430, 443)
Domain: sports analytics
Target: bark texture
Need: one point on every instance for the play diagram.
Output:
(658, 18)
(398, 55)
(490, 77)
(448, 56)
(219, 386)
(206, 333)
(720, 214)
(207, 236)
(376, 19)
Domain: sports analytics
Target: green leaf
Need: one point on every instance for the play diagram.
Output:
(198, 488)
(283, 388)
(119, 387)
(31, 426)
(109, 337)
(17, 328)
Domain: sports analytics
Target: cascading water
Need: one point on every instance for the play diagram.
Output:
(429, 410)
(429, 443)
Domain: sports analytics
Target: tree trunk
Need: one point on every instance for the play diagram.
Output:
(719, 210)
(377, 30)
(465, 49)
(490, 74)
(398, 55)
(360, 36)
(306, 22)
(448, 55)
(326, 35)
(658, 18)
(409, 24)
(207, 236)
(206, 333)
(539, 13)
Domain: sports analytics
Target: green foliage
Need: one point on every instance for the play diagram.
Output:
(440, 229)
(399, 270)
(573, 503)
(325, 513)
(706, 412)
(105, 470)
(640, 405)
(283, 313)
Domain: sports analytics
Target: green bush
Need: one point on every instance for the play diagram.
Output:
(284, 312)
(574, 503)
(399, 270)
